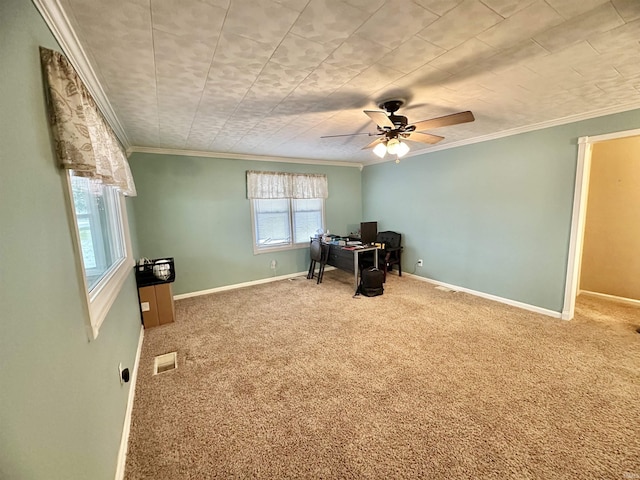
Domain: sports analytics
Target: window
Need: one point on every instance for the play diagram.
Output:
(284, 222)
(84, 142)
(99, 227)
(287, 209)
(102, 239)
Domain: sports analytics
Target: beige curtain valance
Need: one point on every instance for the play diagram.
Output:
(84, 141)
(286, 185)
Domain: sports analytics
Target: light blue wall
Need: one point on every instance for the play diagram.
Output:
(133, 229)
(196, 210)
(62, 406)
(493, 217)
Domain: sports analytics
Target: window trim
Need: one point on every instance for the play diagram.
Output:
(98, 302)
(290, 246)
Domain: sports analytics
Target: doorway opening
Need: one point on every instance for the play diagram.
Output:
(578, 220)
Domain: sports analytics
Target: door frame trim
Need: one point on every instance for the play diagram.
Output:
(579, 214)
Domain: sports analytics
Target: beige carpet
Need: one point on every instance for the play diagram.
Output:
(297, 380)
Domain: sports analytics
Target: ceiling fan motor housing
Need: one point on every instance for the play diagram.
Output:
(398, 120)
(391, 106)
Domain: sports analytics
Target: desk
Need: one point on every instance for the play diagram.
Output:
(349, 260)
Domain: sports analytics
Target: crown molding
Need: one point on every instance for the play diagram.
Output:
(241, 156)
(516, 131)
(58, 22)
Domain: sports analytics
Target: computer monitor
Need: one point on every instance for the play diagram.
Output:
(368, 232)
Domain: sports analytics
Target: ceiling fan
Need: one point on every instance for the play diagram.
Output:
(392, 129)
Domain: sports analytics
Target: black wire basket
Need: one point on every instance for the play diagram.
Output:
(155, 272)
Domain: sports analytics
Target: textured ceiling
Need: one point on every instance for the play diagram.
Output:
(270, 77)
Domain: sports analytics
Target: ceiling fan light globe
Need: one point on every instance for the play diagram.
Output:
(392, 146)
(402, 149)
(380, 150)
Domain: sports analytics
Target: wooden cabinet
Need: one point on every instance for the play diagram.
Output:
(156, 303)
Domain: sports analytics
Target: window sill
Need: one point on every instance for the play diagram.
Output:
(105, 293)
(279, 248)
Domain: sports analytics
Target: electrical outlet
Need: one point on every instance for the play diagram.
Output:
(420, 262)
(274, 264)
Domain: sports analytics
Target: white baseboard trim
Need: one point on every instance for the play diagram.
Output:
(495, 298)
(614, 298)
(126, 428)
(566, 315)
(244, 284)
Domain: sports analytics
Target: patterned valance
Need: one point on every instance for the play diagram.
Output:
(84, 141)
(286, 185)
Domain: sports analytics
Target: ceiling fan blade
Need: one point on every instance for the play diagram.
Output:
(424, 138)
(445, 121)
(380, 118)
(349, 135)
(374, 143)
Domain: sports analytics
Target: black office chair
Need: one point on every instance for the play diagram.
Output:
(319, 254)
(391, 254)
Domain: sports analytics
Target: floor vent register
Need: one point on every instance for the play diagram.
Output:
(165, 363)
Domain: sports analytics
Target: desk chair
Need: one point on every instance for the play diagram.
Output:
(319, 254)
(391, 254)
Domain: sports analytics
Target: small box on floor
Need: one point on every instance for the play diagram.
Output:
(156, 302)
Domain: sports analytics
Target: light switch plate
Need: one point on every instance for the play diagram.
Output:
(145, 306)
